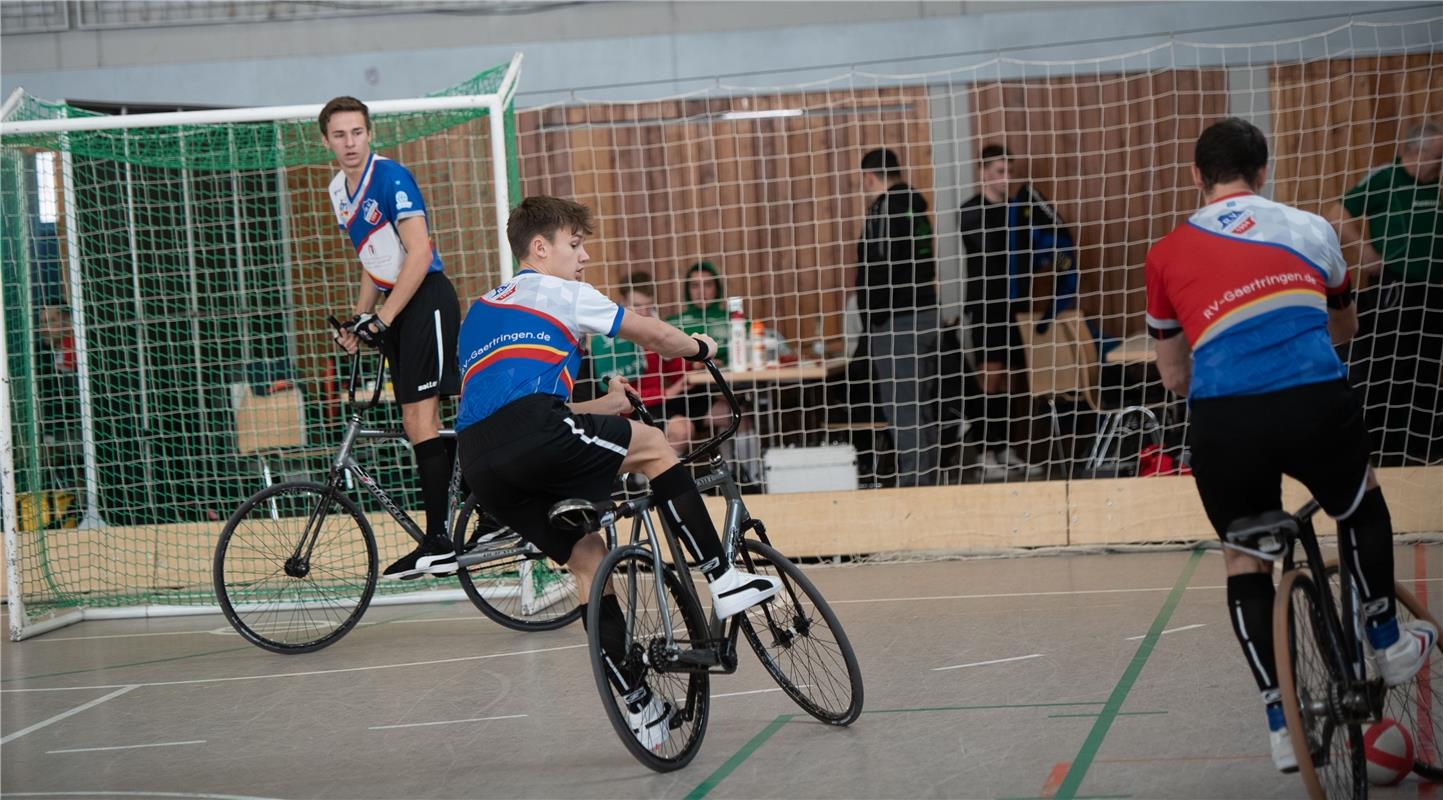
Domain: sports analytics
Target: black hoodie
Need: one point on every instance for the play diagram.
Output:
(897, 268)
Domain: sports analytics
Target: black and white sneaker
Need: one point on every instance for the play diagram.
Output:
(434, 557)
(737, 591)
(650, 717)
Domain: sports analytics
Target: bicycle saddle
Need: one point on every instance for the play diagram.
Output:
(1264, 536)
(577, 516)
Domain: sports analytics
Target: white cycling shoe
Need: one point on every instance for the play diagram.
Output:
(736, 591)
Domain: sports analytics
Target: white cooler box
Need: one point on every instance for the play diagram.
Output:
(828, 468)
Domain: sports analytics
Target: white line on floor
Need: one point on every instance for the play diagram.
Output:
(985, 663)
(307, 673)
(442, 722)
(188, 794)
(756, 691)
(124, 747)
(1170, 630)
(72, 712)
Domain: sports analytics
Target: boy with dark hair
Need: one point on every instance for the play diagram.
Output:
(1261, 294)
(380, 209)
(523, 447)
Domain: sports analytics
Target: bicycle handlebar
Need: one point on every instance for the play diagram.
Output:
(355, 373)
(711, 444)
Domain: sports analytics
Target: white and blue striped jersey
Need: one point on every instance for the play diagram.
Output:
(387, 194)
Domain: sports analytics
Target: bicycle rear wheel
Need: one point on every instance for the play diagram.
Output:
(800, 642)
(1328, 746)
(631, 574)
(1418, 704)
(289, 604)
(523, 591)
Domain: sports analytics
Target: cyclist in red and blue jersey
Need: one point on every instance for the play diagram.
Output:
(379, 208)
(524, 447)
(1260, 295)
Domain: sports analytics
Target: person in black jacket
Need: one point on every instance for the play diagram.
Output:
(897, 296)
(993, 298)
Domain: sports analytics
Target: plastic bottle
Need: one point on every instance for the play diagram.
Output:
(737, 340)
(759, 344)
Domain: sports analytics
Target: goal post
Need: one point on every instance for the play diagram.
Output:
(162, 273)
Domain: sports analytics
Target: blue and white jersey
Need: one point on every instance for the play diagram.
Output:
(1248, 282)
(387, 195)
(523, 338)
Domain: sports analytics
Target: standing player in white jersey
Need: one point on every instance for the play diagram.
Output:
(524, 447)
(1261, 294)
(379, 208)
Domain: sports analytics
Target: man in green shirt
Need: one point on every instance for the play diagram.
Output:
(1392, 216)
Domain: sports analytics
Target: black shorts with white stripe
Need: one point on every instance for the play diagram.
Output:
(421, 347)
(533, 452)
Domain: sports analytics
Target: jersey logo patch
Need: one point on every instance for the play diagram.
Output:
(371, 212)
(402, 201)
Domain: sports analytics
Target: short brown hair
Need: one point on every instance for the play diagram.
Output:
(544, 215)
(640, 282)
(340, 104)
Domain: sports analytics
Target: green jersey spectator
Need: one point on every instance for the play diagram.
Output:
(706, 310)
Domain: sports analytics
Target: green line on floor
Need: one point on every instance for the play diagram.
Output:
(131, 664)
(1120, 714)
(1085, 756)
(978, 708)
(736, 760)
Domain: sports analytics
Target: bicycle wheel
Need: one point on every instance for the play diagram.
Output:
(295, 605)
(523, 591)
(630, 573)
(1328, 747)
(800, 641)
(1418, 704)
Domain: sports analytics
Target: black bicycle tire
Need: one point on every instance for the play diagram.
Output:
(699, 683)
(1430, 769)
(1285, 657)
(486, 607)
(218, 568)
(791, 572)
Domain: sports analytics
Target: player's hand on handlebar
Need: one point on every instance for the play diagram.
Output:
(344, 337)
(706, 348)
(617, 390)
(369, 328)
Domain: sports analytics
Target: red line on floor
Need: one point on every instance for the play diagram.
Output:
(1055, 778)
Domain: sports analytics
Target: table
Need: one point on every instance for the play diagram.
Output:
(767, 381)
(1136, 349)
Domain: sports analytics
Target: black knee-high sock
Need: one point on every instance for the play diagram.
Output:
(433, 464)
(1365, 543)
(684, 513)
(1250, 609)
(613, 640)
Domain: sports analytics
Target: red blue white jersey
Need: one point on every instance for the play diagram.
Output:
(386, 195)
(522, 338)
(1247, 281)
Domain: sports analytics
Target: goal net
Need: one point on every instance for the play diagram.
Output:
(166, 283)
(758, 186)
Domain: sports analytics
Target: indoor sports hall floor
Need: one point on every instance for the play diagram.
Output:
(1071, 676)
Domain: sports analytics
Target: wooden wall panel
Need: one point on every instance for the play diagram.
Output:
(1335, 121)
(775, 203)
(1111, 152)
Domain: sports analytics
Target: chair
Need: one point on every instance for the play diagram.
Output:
(1062, 363)
(267, 425)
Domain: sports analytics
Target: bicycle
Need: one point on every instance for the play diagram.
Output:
(673, 646)
(1328, 686)
(295, 567)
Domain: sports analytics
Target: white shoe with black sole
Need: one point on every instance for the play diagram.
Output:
(736, 591)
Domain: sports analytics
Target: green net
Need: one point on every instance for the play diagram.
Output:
(165, 293)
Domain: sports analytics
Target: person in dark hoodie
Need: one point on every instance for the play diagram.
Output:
(897, 296)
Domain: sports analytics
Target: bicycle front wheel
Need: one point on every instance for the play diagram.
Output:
(631, 574)
(295, 567)
(1311, 675)
(1418, 704)
(519, 588)
(800, 641)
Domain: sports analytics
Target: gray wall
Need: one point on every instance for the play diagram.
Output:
(667, 47)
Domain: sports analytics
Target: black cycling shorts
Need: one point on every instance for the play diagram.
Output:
(533, 452)
(421, 346)
(1242, 446)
